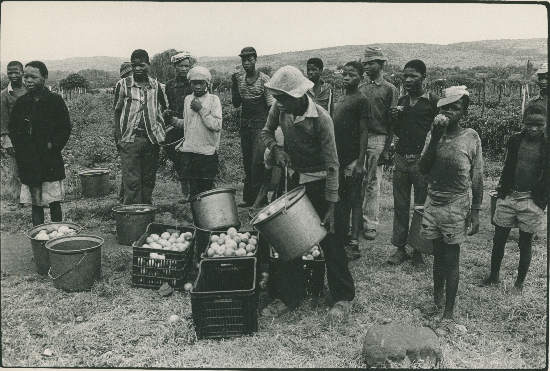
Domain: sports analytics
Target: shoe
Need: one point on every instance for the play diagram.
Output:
(275, 309)
(417, 260)
(398, 257)
(517, 289)
(352, 250)
(339, 311)
(370, 234)
(489, 281)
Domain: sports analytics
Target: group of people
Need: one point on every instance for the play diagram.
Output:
(293, 131)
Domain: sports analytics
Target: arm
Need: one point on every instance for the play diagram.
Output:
(329, 156)
(162, 98)
(476, 174)
(269, 100)
(4, 117)
(62, 129)
(211, 114)
(119, 105)
(268, 132)
(235, 95)
(363, 136)
(427, 158)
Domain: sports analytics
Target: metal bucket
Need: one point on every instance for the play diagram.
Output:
(95, 182)
(294, 229)
(215, 209)
(415, 240)
(75, 261)
(39, 252)
(132, 221)
(493, 195)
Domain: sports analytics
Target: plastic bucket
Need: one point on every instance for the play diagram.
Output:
(39, 252)
(75, 261)
(493, 195)
(95, 182)
(215, 209)
(132, 221)
(415, 240)
(293, 229)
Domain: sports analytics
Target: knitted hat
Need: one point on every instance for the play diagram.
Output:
(452, 94)
(289, 80)
(125, 68)
(181, 56)
(199, 73)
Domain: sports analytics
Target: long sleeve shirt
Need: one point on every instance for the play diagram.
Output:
(309, 141)
(458, 167)
(8, 96)
(382, 95)
(254, 98)
(201, 129)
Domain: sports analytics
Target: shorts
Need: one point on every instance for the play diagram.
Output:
(448, 221)
(44, 194)
(518, 211)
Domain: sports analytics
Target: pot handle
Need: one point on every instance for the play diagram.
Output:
(286, 189)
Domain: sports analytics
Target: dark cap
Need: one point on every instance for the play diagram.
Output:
(248, 51)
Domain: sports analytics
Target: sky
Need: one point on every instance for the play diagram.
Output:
(56, 30)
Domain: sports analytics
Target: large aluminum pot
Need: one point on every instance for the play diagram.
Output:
(415, 240)
(132, 221)
(215, 209)
(290, 224)
(493, 195)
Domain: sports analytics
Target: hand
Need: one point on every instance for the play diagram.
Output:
(328, 220)
(49, 145)
(394, 112)
(439, 126)
(168, 114)
(474, 222)
(196, 105)
(282, 158)
(235, 78)
(358, 171)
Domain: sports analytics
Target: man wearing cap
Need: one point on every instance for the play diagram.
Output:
(176, 91)
(140, 128)
(413, 119)
(381, 95)
(452, 159)
(310, 149)
(125, 71)
(321, 91)
(249, 93)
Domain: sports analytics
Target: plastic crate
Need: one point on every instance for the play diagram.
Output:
(314, 275)
(151, 272)
(207, 243)
(224, 300)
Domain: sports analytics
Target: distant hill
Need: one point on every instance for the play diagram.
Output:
(463, 55)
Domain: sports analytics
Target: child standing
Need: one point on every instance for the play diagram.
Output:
(202, 123)
(522, 193)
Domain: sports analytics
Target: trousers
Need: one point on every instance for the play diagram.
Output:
(139, 162)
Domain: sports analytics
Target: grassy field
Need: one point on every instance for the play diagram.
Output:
(115, 325)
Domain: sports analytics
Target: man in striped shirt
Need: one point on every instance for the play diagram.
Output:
(139, 129)
(248, 91)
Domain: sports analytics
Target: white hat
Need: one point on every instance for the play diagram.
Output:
(289, 80)
(543, 69)
(181, 56)
(199, 73)
(452, 94)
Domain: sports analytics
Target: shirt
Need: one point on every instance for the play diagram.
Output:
(135, 102)
(414, 122)
(202, 129)
(530, 163)
(176, 91)
(254, 98)
(309, 141)
(382, 95)
(323, 97)
(458, 167)
(348, 113)
(8, 96)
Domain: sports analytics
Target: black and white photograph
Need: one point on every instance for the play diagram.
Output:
(199, 185)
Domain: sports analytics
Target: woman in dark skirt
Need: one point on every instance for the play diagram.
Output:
(202, 123)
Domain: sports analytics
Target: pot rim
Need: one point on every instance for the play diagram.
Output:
(95, 171)
(299, 193)
(130, 209)
(51, 243)
(210, 192)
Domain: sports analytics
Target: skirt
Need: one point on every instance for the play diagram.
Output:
(43, 194)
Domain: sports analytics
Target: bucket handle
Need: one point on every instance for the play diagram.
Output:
(286, 189)
(68, 271)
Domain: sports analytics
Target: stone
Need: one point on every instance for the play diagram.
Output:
(165, 289)
(395, 342)
(461, 328)
(47, 352)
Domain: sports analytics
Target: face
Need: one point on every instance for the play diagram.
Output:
(289, 103)
(15, 74)
(32, 78)
(313, 72)
(140, 68)
(199, 87)
(373, 68)
(543, 81)
(182, 67)
(248, 62)
(533, 125)
(413, 79)
(351, 77)
(453, 111)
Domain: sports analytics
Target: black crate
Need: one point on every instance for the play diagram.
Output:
(152, 272)
(224, 300)
(206, 243)
(314, 275)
